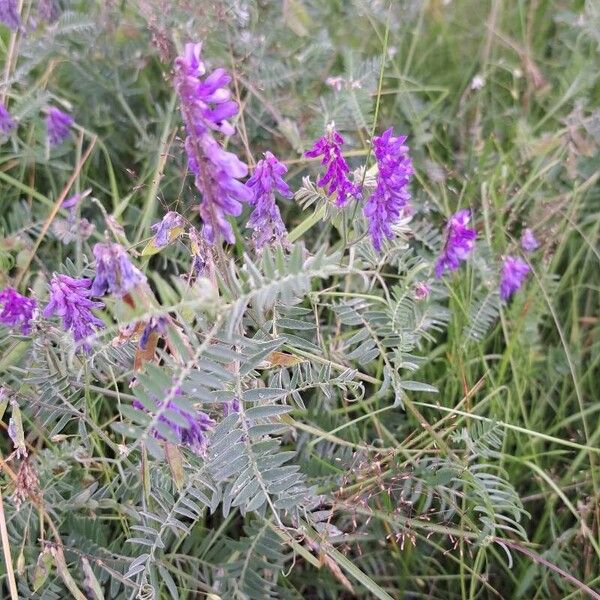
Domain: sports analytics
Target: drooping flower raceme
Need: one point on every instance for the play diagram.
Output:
(205, 106)
(265, 220)
(460, 241)
(58, 125)
(163, 230)
(528, 241)
(335, 179)
(391, 196)
(514, 272)
(114, 272)
(70, 300)
(7, 123)
(188, 426)
(9, 15)
(17, 310)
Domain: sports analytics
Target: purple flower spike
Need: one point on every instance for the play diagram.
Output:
(58, 124)
(70, 300)
(17, 310)
(265, 220)
(9, 15)
(335, 180)
(114, 271)
(7, 123)
(205, 107)
(528, 241)
(162, 231)
(192, 434)
(390, 198)
(514, 272)
(460, 241)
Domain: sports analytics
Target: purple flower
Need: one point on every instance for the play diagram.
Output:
(421, 290)
(58, 124)
(162, 230)
(71, 201)
(528, 241)
(335, 179)
(9, 15)
(7, 123)
(233, 406)
(266, 219)
(460, 240)
(189, 427)
(114, 271)
(205, 107)
(47, 10)
(390, 198)
(70, 300)
(514, 272)
(154, 325)
(17, 310)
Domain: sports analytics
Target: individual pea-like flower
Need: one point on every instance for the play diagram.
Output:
(335, 179)
(265, 219)
(514, 272)
(165, 228)
(70, 300)
(232, 406)
(460, 241)
(58, 125)
(154, 325)
(17, 310)
(391, 196)
(528, 241)
(421, 290)
(7, 123)
(205, 107)
(114, 271)
(9, 14)
(188, 426)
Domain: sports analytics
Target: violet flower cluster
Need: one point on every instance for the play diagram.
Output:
(17, 310)
(514, 273)
(114, 271)
(189, 427)
(460, 241)
(391, 196)
(335, 179)
(7, 123)
(70, 300)
(58, 125)
(205, 107)
(164, 229)
(265, 219)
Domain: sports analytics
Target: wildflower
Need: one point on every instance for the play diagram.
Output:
(233, 406)
(166, 229)
(58, 124)
(9, 14)
(47, 10)
(528, 241)
(390, 198)
(205, 107)
(71, 201)
(460, 241)
(114, 271)
(514, 272)
(154, 325)
(17, 310)
(265, 220)
(188, 426)
(7, 123)
(70, 300)
(421, 290)
(335, 180)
